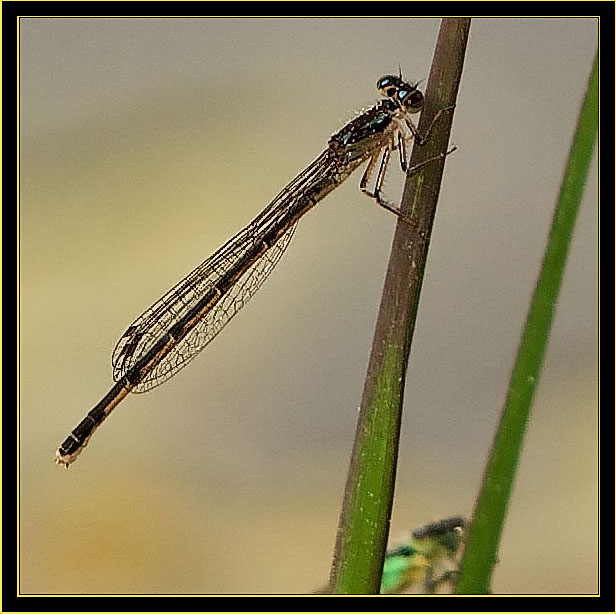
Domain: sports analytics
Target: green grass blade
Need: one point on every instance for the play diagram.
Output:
(366, 510)
(480, 554)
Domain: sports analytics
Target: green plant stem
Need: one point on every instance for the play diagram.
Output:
(480, 554)
(368, 499)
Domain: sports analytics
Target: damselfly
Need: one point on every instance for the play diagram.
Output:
(168, 335)
(425, 564)
(428, 563)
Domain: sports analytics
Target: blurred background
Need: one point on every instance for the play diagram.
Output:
(145, 145)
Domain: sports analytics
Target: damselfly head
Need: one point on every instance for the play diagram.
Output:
(455, 525)
(405, 94)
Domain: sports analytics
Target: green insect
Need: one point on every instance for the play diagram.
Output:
(428, 563)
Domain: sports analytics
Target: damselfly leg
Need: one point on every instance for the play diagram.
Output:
(422, 140)
(376, 193)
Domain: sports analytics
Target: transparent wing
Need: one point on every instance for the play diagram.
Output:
(207, 328)
(156, 321)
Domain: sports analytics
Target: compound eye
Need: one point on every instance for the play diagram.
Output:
(388, 85)
(411, 99)
(415, 100)
(386, 81)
